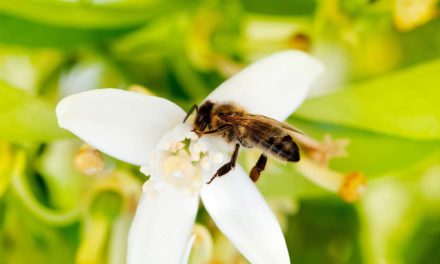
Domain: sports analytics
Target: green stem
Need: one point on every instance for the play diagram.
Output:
(119, 239)
(5, 166)
(21, 190)
(92, 247)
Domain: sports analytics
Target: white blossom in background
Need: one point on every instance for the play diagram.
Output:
(148, 131)
(82, 77)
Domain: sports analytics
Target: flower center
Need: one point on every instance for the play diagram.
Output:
(181, 159)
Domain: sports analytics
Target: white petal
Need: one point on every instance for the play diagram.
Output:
(125, 125)
(274, 86)
(162, 226)
(242, 214)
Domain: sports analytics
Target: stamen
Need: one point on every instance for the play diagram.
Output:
(181, 159)
(205, 163)
(191, 136)
(153, 186)
(353, 186)
(349, 186)
(176, 146)
(324, 151)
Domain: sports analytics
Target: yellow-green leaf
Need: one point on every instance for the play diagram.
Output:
(26, 118)
(405, 104)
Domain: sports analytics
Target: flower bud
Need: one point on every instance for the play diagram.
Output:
(89, 161)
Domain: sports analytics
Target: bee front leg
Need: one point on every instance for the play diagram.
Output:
(258, 168)
(190, 111)
(217, 130)
(228, 166)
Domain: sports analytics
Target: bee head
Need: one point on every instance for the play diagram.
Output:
(203, 117)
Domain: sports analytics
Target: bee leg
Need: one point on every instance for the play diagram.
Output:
(194, 107)
(228, 166)
(219, 129)
(258, 168)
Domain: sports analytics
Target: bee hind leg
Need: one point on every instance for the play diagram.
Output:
(228, 166)
(258, 168)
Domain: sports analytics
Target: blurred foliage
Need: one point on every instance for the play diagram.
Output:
(26, 118)
(380, 92)
(395, 104)
(13, 27)
(338, 240)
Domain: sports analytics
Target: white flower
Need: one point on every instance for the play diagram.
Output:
(148, 131)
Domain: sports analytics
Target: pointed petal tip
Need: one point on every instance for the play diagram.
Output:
(162, 226)
(64, 106)
(242, 214)
(60, 110)
(295, 56)
(310, 67)
(123, 124)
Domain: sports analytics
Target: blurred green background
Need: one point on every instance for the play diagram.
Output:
(61, 202)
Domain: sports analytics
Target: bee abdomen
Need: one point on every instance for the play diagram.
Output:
(284, 148)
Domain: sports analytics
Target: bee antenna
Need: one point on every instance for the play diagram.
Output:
(190, 111)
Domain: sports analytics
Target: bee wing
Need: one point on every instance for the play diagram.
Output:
(277, 123)
(260, 123)
(269, 135)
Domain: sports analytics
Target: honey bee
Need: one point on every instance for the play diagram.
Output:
(236, 125)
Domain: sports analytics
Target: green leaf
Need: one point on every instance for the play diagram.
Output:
(422, 247)
(38, 23)
(281, 7)
(421, 44)
(26, 118)
(404, 104)
(324, 230)
(371, 153)
(281, 179)
(18, 31)
(84, 14)
(43, 243)
(63, 183)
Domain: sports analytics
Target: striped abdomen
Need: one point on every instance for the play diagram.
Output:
(272, 140)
